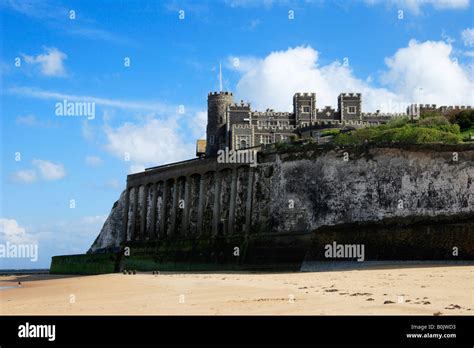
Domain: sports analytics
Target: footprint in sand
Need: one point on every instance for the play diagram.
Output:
(388, 302)
(331, 290)
(453, 306)
(370, 299)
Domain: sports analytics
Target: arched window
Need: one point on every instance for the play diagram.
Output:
(243, 144)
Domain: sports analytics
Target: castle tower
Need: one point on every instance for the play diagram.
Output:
(350, 106)
(304, 108)
(217, 104)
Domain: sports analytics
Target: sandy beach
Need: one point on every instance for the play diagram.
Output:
(413, 290)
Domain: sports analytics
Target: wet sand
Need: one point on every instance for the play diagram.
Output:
(413, 290)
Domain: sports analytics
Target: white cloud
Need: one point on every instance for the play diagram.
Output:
(271, 82)
(121, 104)
(94, 220)
(50, 62)
(33, 121)
(49, 170)
(429, 66)
(136, 168)
(151, 142)
(27, 120)
(24, 176)
(11, 232)
(256, 3)
(93, 161)
(198, 124)
(415, 6)
(57, 17)
(467, 36)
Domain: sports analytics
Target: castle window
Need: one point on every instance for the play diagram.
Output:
(265, 139)
(212, 139)
(306, 109)
(351, 110)
(243, 144)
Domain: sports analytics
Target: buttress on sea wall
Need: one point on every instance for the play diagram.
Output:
(294, 192)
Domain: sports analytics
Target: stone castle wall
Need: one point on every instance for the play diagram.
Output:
(292, 193)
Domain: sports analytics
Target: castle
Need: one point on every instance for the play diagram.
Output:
(205, 214)
(236, 126)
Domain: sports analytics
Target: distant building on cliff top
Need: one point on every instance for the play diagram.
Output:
(236, 126)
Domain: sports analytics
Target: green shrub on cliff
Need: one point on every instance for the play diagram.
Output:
(396, 122)
(329, 132)
(468, 134)
(431, 130)
(440, 123)
(465, 119)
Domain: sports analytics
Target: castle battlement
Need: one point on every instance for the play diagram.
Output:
(445, 109)
(326, 108)
(241, 126)
(358, 95)
(381, 115)
(455, 107)
(305, 94)
(275, 128)
(271, 114)
(240, 105)
(220, 93)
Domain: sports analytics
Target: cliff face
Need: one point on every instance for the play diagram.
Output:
(304, 190)
(113, 225)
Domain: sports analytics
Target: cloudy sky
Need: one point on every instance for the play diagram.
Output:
(148, 67)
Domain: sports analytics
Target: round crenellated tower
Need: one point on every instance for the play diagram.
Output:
(216, 132)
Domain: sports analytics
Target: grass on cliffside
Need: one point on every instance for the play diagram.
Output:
(430, 129)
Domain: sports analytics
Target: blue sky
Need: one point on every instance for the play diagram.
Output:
(394, 52)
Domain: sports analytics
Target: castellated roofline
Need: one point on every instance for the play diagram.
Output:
(350, 95)
(220, 93)
(455, 107)
(273, 128)
(326, 108)
(305, 94)
(443, 107)
(240, 105)
(383, 114)
(242, 126)
(270, 113)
